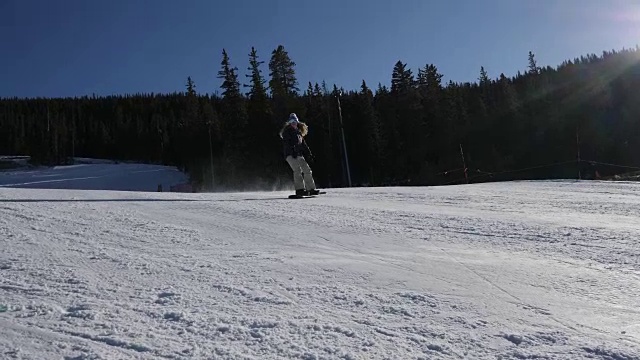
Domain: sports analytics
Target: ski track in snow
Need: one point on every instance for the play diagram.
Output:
(94, 174)
(519, 270)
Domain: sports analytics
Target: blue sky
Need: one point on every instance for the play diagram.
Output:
(80, 47)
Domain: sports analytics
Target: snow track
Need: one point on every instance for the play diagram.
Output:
(523, 270)
(94, 174)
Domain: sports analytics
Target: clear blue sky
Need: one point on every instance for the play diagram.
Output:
(79, 47)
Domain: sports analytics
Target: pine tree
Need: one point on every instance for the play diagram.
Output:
(192, 113)
(401, 79)
(371, 126)
(508, 126)
(433, 119)
(484, 77)
(429, 81)
(535, 108)
(233, 121)
(258, 99)
(317, 91)
(283, 85)
(533, 65)
(325, 88)
(283, 81)
(261, 130)
(382, 90)
(309, 91)
(229, 76)
(257, 86)
(191, 87)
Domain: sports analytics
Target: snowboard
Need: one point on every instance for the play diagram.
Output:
(305, 196)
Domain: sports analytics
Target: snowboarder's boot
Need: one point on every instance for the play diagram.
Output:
(314, 192)
(301, 193)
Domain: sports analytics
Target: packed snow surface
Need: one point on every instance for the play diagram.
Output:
(519, 270)
(92, 174)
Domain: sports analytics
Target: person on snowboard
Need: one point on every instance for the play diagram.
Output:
(295, 151)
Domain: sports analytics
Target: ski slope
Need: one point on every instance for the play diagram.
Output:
(518, 270)
(92, 174)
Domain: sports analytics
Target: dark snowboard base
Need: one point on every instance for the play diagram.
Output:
(305, 196)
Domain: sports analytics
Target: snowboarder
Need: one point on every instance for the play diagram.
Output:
(295, 151)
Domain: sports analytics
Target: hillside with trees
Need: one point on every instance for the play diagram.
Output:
(574, 120)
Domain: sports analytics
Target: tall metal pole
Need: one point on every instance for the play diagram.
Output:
(344, 143)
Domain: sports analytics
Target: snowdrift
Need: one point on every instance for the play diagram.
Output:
(522, 270)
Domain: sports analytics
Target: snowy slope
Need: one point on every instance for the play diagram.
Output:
(524, 270)
(94, 174)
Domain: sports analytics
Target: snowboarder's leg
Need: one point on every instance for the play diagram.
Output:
(298, 180)
(309, 183)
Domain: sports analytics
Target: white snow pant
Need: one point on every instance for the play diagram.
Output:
(302, 177)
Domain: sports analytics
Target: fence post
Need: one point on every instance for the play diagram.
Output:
(464, 165)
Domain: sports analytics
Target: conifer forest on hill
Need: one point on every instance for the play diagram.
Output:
(576, 119)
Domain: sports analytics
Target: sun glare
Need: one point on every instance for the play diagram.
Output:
(626, 19)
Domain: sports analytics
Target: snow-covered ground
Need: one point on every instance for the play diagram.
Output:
(520, 270)
(91, 174)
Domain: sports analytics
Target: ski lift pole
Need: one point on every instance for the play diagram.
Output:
(344, 143)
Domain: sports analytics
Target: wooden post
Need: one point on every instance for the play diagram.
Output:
(464, 165)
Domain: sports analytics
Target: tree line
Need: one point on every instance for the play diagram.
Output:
(543, 123)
